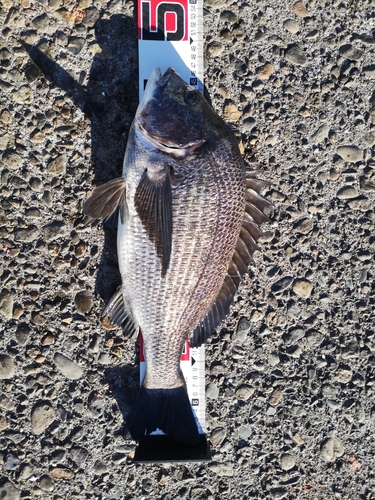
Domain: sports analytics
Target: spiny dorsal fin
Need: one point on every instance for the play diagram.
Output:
(242, 257)
(153, 201)
(105, 199)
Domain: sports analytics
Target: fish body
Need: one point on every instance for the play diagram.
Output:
(185, 236)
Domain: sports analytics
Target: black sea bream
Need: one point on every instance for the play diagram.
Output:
(189, 217)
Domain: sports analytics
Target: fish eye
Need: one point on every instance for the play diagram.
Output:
(191, 97)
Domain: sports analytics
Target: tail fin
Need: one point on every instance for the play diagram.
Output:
(166, 409)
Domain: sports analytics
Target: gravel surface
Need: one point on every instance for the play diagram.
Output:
(290, 379)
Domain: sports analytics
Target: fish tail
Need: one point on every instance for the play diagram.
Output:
(166, 409)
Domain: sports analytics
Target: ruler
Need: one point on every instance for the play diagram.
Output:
(170, 34)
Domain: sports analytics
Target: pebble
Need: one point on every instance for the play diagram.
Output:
(45, 482)
(231, 112)
(282, 284)
(26, 234)
(291, 25)
(350, 52)
(6, 304)
(244, 392)
(57, 166)
(221, 469)
(351, 154)
(320, 134)
(214, 49)
(42, 416)
(244, 432)
(12, 160)
(55, 230)
(302, 287)
(11, 461)
(100, 467)
(75, 45)
(61, 472)
(295, 55)
(275, 397)
(217, 436)
(69, 368)
(347, 193)
(287, 461)
(22, 333)
(78, 455)
(8, 491)
(299, 9)
(303, 225)
(212, 391)
(7, 368)
(369, 139)
(83, 301)
(23, 95)
(343, 374)
(331, 449)
(243, 329)
(265, 71)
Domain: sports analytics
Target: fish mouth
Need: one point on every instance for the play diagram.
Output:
(169, 147)
(177, 145)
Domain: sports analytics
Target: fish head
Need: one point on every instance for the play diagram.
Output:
(172, 115)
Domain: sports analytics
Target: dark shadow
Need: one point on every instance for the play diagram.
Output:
(109, 100)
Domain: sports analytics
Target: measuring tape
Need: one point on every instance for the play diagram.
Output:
(170, 34)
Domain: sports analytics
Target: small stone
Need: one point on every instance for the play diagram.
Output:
(271, 140)
(8, 491)
(273, 359)
(244, 432)
(6, 304)
(212, 391)
(55, 230)
(38, 319)
(26, 234)
(83, 301)
(7, 368)
(75, 45)
(11, 461)
(343, 374)
(69, 368)
(6, 117)
(320, 134)
(12, 160)
(61, 472)
(275, 397)
(22, 333)
(265, 71)
(42, 416)
(291, 25)
(304, 225)
(299, 9)
(293, 336)
(347, 193)
(351, 154)
(331, 449)
(295, 55)
(243, 329)
(221, 469)
(78, 455)
(350, 52)
(23, 95)
(369, 70)
(231, 112)
(218, 435)
(100, 467)
(214, 49)
(57, 166)
(244, 392)
(6, 141)
(282, 284)
(369, 139)
(287, 461)
(3, 424)
(302, 287)
(45, 482)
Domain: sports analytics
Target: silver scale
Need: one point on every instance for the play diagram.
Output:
(170, 34)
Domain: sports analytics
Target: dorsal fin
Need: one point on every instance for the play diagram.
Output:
(242, 257)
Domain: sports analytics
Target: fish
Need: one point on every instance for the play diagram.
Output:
(189, 216)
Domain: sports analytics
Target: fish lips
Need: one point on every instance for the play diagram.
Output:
(164, 119)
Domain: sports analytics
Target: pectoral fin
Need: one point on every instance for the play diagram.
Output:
(105, 199)
(153, 201)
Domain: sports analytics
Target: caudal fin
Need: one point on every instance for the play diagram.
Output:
(166, 409)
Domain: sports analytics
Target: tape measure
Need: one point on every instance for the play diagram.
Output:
(170, 34)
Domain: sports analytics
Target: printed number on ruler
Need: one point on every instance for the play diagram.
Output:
(170, 34)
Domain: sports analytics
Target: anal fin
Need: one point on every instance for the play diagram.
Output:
(118, 313)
